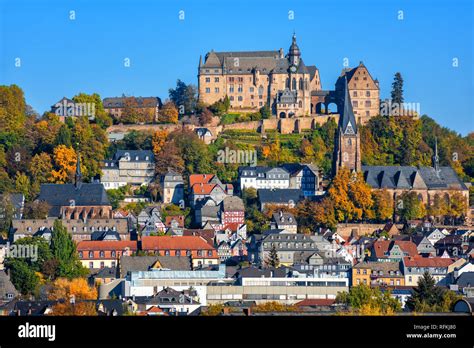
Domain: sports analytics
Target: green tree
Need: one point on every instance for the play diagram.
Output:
(63, 249)
(184, 97)
(427, 297)
(397, 90)
(22, 276)
(409, 206)
(273, 260)
(64, 136)
(265, 112)
(369, 301)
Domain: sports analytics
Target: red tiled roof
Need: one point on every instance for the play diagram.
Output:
(204, 189)
(175, 243)
(208, 235)
(382, 247)
(200, 179)
(106, 245)
(316, 302)
(428, 261)
(178, 218)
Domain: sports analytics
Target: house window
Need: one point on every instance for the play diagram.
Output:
(178, 252)
(367, 93)
(216, 79)
(113, 253)
(209, 253)
(102, 264)
(216, 90)
(113, 264)
(80, 254)
(102, 254)
(188, 252)
(91, 254)
(208, 90)
(167, 253)
(91, 265)
(354, 93)
(208, 79)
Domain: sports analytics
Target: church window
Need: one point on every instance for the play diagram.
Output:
(293, 83)
(287, 83)
(301, 83)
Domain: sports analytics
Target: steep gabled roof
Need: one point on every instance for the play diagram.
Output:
(348, 122)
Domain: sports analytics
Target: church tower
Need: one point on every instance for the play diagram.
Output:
(347, 141)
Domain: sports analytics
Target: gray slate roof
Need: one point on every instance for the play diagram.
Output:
(143, 263)
(466, 279)
(57, 195)
(408, 177)
(279, 196)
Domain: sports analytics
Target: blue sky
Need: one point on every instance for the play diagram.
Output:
(62, 57)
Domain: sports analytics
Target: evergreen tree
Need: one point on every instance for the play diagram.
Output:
(397, 90)
(64, 136)
(426, 296)
(63, 249)
(273, 259)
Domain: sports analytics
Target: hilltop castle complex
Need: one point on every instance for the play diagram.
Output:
(284, 82)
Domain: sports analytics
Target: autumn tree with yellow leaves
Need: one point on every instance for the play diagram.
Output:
(72, 296)
(65, 159)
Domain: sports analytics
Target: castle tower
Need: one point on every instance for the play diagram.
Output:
(294, 53)
(347, 142)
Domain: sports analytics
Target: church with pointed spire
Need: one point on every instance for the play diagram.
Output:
(347, 142)
(76, 200)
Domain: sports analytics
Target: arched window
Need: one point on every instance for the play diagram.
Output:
(300, 104)
(287, 83)
(301, 83)
(260, 90)
(293, 84)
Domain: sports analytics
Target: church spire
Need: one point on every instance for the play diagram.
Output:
(436, 157)
(78, 175)
(348, 122)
